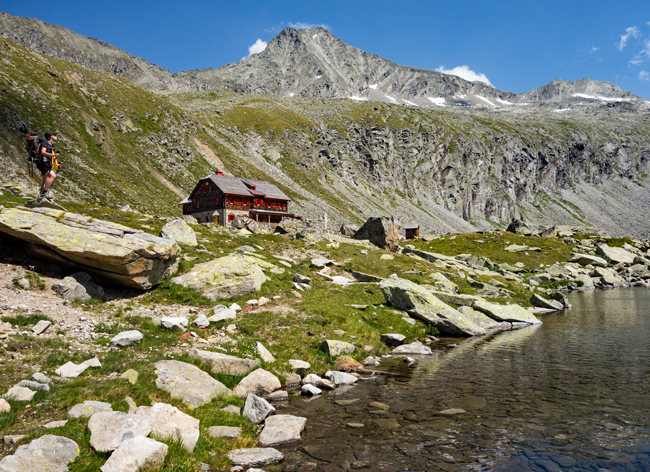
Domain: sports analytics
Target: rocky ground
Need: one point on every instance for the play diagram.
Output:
(305, 313)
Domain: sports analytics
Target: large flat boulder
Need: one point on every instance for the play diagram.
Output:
(380, 231)
(615, 254)
(281, 429)
(223, 363)
(226, 277)
(168, 422)
(422, 304)
(511, 313)
(114, 253)
(110, 429)
(49, 452)
(260, 382)
(136, 454)
(188, 383)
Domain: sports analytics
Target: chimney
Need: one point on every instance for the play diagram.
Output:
(218, 172)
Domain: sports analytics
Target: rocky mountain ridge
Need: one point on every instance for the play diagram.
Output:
(307, 63)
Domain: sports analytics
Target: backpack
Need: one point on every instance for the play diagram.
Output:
(33, 146)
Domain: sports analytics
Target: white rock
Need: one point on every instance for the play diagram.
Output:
(41, 378)
(136, 454)
(127, 338)
(167, 421)
(55, 424)
(299, 366)
(4, 405)
(201, 322)
(235, 307)
(221, 315)
(256, 409)
(255, 456)
(175, 323)
(109, 429)
(94, 362)
(20, 394)
(310, 390)
(88, 408)
(340, 378)
(263, 301)
(41, 327)
(260, 382)
(264, 353)
(70, 370)
(48, 453)
(281, 429)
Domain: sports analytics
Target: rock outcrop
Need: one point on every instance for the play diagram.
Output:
(110, 251)
(380, 231)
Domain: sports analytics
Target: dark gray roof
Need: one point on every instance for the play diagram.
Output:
(238, 186)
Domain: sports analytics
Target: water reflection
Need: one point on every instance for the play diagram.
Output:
(571, 394)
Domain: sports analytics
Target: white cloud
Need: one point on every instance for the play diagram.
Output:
(259, 46)
(594, 49)
(633, 32)
(303, 25)
(464, 72)
(643, 75)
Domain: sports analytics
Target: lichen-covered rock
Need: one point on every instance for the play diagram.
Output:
(335, 348)
(588, 259)
(260, 382)
(223, 363)
(512, 313)
(136, 454)
(179, 231)
(109, 429)
(422, 304)
(541, 302)
(380, 231)
(47, 453)
(188, 383)
(116, 253)
(615, 254)
(228, 276)
(168, 422)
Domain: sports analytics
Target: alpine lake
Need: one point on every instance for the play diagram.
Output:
(572, 394)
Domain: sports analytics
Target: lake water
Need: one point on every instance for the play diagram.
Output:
(570, 395)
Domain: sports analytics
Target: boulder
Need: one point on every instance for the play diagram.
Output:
(519, 227)
(174, 323)
(263, 352)
(380, 231)
(168, 422)
(422, 304)
(484, 321)
(71, 370)
(34, 385)
(226, 277)
(223, 363)
(299, 366)
(310, 390)
(79, 286)
(318, 382)
(588, 259)
(88, 409)
(281, 429)
(393, 339)
(179, 231)
(541, 302)
(335, 348)
(348, 229)
(127, 338)
(115, 253)
(41, 327)
(256, 409)
(415, 348)
(242, 222)
(136, 454)
(222, 313)
(20, 394)
(201, 322)
(442, 283)
(277, 396)
(260, 382)
(340, 378)
(458, 299)
(616, 255)
(512, 313)
(48, 453)
(109, 429)
(188, 383)
(255, 457)
(4, 406)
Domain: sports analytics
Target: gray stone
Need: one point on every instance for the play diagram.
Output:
(316, 381)
(232, 409)
(422, 304)
(48, 453)
(281, 429)
(201, 322)
(302, 287)
(380, 231)
(230, 276)
(277, 396)
(259, 382)
(230, 432)
(264, 353)
(179, 231)
(292, 378)
(458, 299)
(442, 283)
(88, 409)
(615, 254)
(254, 457)
(512, 313)
(188, 383)
(4, 405)
(127, 338)
(340, 378)
(256, 409)
(34, 385)
(109, 429)
(363, 277)
(588, 259)
(79, 286)
(416, 348)
(303, 279)
(136, 454)
(55, 424)
(541, 302)
(20, 394)
(94, 362)
(320, 263)
(484, 321)
(348, 229)
(223, 363)
(174, 323)
(70, 370)
(168, 422)
(41, 378)
(222, 314)
(310, 390)
(393, 339)
(41, 327)
(335, 348)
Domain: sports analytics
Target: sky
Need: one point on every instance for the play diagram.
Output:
(516, 46)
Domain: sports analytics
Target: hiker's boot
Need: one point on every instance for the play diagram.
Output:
(47, 195)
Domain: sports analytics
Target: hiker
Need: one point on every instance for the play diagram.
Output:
(48, 164)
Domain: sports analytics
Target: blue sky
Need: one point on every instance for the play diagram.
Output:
(516, 45)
